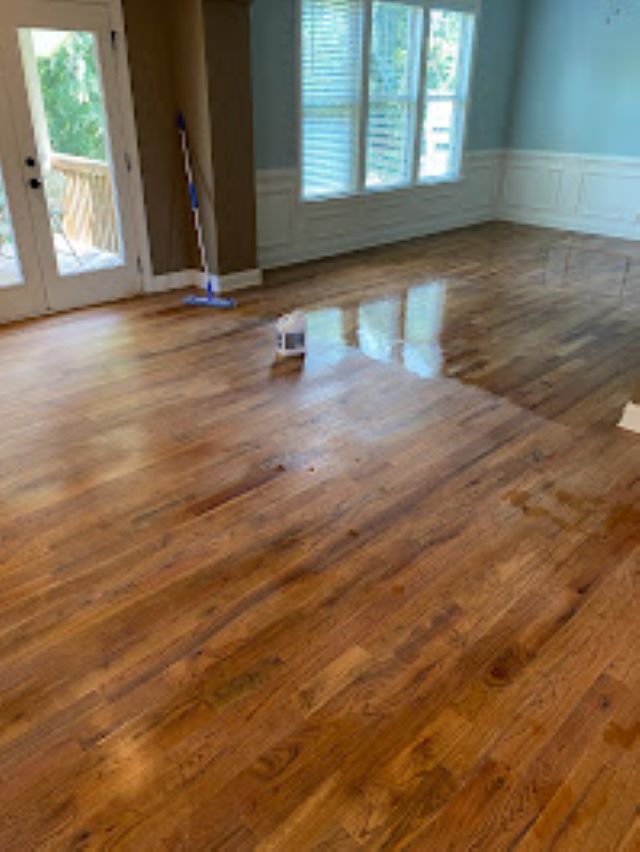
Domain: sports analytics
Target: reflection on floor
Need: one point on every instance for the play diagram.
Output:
(388, 598)
(74, 258)
(508, 299)
(404, 328)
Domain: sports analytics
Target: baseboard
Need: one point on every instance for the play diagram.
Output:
(232, 281)
(197, 278)
(174, 281)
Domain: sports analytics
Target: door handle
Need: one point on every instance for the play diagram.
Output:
(35, 183)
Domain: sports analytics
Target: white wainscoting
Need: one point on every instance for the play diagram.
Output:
(290, 231)
(595, 195)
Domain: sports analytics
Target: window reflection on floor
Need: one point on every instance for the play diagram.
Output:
(403, 329)
(380, 328)
(423, 326)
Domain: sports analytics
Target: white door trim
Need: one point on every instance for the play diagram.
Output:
(131, 142)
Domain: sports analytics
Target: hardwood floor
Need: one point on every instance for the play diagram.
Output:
(388, 600)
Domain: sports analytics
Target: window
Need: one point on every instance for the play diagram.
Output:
(448, 68)
(394, 68)
(384, 93)
(331, 91)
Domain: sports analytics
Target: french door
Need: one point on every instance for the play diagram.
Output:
(67, 230)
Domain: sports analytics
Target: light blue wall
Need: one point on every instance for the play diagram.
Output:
(578, 86)
(273, 37)
(274, 75)
(498, 46)
(550, 75)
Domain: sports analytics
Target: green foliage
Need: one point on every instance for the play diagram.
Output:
(444, 52)
(72, 94)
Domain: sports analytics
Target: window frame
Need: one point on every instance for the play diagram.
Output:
(470, 7)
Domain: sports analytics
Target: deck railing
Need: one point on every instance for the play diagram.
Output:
(87, 205)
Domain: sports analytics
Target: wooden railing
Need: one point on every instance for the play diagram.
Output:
(87, 205)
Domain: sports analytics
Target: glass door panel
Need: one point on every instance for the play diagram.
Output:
(10, 269)
(66, 99)
(65, 82)
(21, 283)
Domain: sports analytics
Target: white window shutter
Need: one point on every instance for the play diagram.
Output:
(394, 70)
(447, 84)
(331, 96)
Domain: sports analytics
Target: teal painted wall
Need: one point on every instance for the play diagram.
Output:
(273, 49)
(497, 50)
(578, 83)
(274, 78)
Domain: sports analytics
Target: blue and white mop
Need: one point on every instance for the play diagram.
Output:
(213, 299)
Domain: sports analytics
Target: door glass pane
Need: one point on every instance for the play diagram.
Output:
(67, 107)
(10, 273)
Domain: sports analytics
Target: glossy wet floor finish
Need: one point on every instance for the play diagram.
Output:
(385, 600)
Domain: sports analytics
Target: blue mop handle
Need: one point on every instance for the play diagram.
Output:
(195, 206)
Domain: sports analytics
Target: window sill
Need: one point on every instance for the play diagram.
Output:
(385, 191)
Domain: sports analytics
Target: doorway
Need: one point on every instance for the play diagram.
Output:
(67, 198)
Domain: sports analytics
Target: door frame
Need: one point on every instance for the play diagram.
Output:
(125, 87)
(138, 239)
(26, 296)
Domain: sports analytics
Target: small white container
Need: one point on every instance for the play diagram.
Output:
(292, 334)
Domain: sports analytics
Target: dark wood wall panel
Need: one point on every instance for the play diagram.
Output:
(227, 31)
(151, 42)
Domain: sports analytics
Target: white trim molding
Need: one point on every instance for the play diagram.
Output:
(196, 278)
(291, 230)
(574, 192)
(131, 140)
(175, 281)
(231, 281)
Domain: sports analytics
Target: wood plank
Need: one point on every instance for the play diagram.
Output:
(387, 598)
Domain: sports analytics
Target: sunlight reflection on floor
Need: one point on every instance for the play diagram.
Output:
(404, 328)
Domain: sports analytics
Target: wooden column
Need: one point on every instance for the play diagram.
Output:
(228, 56)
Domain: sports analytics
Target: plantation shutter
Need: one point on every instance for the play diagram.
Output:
(332, 32)
(394, 70)
(447, 86)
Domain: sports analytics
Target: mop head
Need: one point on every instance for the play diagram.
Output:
(212, 300)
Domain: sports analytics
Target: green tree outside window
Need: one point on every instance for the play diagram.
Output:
(72, 94)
